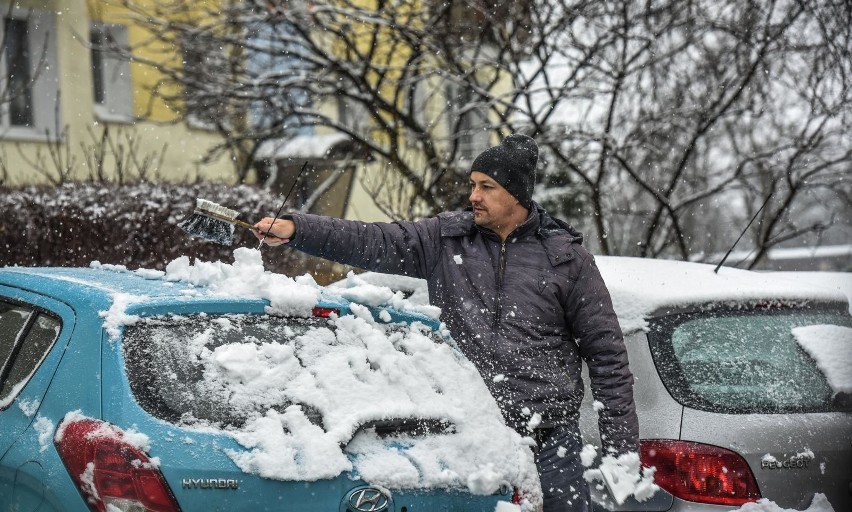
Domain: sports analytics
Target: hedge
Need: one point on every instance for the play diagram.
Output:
(134, 225)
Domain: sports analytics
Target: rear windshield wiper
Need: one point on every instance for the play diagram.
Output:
(409, 427)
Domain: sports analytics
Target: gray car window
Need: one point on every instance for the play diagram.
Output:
(39, 337)
(742, 361)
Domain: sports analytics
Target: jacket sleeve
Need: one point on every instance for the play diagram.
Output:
(407, 248)
(601, 343)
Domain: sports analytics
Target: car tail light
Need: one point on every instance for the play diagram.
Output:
(516, 496)
(111, 472)
(325, 312)
(700, 472)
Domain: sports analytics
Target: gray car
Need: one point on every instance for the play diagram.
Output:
(734, 389)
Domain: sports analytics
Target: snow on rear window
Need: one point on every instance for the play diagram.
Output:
(831, 348)
(293, 391)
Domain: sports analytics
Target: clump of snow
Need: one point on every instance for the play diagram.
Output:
(623, 477)
(505, 506)
(28, 407)
(534, 422)
(641, 286)
(499, 378)
(831, 348)
(288, 447)
(105, 430)
(44, 427)
(598, 406)
(247, 278)
(485, 480)
(819, 504)
(378, 290)
(588, 455)
(87, 478)
(116, 316)
(458, 259)
(807, 453)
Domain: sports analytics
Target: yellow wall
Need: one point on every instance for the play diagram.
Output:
(186, 146)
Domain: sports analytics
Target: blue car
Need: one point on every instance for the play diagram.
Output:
(135, 391)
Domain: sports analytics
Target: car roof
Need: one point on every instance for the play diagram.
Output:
(642, 287)
(102, 284)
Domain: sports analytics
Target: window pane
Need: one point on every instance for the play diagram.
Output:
(12, 320)
(742, 361)
(96, 38)
(35, 347)
(18, 73)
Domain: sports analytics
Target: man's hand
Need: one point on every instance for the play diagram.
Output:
(281, 233)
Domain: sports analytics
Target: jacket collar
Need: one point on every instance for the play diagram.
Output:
(556, 235)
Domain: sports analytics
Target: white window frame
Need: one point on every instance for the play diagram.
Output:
(44, 76)
(117, 105)
(473, 136)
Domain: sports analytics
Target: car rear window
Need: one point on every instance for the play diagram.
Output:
(171, 363)
(743, 360)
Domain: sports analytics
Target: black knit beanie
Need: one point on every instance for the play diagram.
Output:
(512, 165)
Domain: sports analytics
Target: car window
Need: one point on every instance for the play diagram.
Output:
(13, 318)
(742, 361)
(26, 349)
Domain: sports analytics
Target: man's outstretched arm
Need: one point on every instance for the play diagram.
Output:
(408, 248)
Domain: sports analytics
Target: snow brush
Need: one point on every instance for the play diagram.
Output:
(214, 222)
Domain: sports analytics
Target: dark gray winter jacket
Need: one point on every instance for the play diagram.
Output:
(524, 312)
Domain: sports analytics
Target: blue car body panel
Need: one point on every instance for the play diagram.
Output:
(84, 371)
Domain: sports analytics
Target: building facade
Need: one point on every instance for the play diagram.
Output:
(71, 108)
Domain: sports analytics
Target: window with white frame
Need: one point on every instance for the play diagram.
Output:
(29, 89)
(112, 88)
(467, 120)
(204, 63)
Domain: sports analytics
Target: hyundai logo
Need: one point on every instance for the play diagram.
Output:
(368, 499)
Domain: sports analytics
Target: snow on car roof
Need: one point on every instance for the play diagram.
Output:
(640, 287)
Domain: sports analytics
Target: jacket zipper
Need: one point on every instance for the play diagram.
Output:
(501, 266)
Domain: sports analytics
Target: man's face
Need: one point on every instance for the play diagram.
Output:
(493, 206)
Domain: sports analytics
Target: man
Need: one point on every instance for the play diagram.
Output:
(521, 297)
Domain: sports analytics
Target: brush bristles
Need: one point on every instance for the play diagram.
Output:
(208, 228)
(209, 206)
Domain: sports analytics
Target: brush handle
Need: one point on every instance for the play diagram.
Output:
(229, 220)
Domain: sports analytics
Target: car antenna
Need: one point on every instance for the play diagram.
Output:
(716, 270)
(295, 181)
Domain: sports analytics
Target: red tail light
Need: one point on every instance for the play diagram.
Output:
(516, 496)
(110, 471)
(700, 472)
(325, 312)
